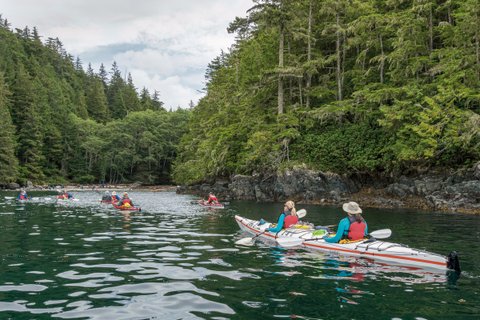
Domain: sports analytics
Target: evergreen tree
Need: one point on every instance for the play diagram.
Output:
(115, 97)
(8, 161)
(27, 122)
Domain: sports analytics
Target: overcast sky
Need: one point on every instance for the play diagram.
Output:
(165, 44)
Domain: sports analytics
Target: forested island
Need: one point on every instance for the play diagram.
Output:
(318, 100)
(315, 101)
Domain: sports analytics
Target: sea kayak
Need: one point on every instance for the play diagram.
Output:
(368, 248)
(126, 208)
(106, 201)
(211, 205)
(63, 200)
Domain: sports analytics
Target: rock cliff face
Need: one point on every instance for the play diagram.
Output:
(444, 192)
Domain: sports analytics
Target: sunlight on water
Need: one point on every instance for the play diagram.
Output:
(177, 260)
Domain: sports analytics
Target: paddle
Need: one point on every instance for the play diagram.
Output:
(381, 234)
(293, 242)
(301, 213)
(249, 241)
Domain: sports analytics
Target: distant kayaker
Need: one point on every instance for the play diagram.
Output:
(125, 201)
(65, 195)
(106, 196)
(22, 195)
(353, 227)
(212, 199)
(115, 197)
(287, 218)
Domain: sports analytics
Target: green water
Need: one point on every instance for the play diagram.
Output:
(176, 260)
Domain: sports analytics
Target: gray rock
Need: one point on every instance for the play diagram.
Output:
(13, 185)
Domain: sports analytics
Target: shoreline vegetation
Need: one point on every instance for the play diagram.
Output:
(317, 101)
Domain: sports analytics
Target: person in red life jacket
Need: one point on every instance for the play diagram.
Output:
(287, 218)
(65, 195)
(212, 199)
(353, 227)
(115, 197)
(22, 195)
(291, 218)
(125, 201)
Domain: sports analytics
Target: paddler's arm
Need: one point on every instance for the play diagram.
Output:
(342, 227)
(279, 226)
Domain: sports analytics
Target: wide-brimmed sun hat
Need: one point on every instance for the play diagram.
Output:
(114, 193)
(352, 207)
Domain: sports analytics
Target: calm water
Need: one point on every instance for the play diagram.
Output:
(176, 260)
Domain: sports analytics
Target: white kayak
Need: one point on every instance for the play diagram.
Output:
(369, 248)
(204, 203)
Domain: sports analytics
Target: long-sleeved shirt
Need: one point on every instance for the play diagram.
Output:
(342, 231)
(281, 220)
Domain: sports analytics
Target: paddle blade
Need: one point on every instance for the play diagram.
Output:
(289, 242)
(381, 234)
(245, 242)
(301, 213)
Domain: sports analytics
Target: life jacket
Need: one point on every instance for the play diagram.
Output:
(125, 201)
(289, 221)
(212, 199)
(356, 230)
(23, 197)
(114, 198)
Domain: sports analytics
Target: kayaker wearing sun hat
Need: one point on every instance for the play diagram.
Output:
(353, 227)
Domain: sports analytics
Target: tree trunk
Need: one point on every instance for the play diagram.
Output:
(339, 61)
(280, 67)
(309, 56)
(430, 28)
(477, 45)
(382, 61)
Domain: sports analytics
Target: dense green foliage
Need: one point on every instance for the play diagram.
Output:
(348, 86)
(60, 122)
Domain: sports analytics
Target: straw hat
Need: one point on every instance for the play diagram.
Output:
(352, 207)
(114, 193)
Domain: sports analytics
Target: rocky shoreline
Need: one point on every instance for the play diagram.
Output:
(440, 191)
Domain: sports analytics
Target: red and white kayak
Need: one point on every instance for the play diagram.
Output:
(211, 205)
(369, 248)
(126, 208)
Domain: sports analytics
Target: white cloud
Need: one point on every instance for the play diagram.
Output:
(166, 45)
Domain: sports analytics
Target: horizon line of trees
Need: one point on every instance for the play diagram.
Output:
(60, 122)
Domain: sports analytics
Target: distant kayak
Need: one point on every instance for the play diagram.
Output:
(211, 205)
(63, 200)
(126, 208)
